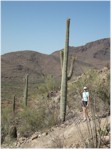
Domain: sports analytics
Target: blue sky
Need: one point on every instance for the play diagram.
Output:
(41, 25)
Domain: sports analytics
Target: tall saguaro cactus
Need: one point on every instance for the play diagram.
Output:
(65, 78)
(26, 90)
(64, 75)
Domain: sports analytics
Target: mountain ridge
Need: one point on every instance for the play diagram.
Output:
(16, 64)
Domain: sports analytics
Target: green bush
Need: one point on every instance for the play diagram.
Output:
(30, 120)
(6, 121)
(104, 90)
(98, 86)
(49, 84)
(6, 118)
(36, 119)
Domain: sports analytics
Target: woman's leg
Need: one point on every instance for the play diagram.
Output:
(84, 112)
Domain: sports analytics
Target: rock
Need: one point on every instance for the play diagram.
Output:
(18, 135)
(52, 129)
(62, 125)
(105, 139)
(35, 136)
(18, 144)
(45, 133)
(21, 140)
(39, 135)
(56, 99)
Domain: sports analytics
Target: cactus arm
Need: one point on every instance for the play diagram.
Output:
(61, 58)
(71, 68)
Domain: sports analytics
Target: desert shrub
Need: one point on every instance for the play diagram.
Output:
(98, 84)
(49, 84)
(98, 87)
(52, 116)
(104, 90)
(36, 119)
(6, 118)
(6, 121)
(76, 88)
(95, 132)
(30, 120)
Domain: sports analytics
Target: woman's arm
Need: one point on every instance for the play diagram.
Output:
(88, 100)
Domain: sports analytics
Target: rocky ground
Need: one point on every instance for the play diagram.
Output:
(72, 133)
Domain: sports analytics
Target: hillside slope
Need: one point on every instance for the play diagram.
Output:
(14, 65)
(65, 136)
(39, 126)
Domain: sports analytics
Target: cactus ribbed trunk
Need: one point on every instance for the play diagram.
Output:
(26, 90)
(64, 75)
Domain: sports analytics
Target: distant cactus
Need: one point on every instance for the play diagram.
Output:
(14, 105)
(65, 78)
(26, 90)
(12, 128)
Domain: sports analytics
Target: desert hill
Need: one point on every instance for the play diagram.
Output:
(16, 64)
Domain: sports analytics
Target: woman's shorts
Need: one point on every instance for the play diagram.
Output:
(84, 103)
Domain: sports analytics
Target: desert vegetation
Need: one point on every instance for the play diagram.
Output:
(42, 113)
(56, 102)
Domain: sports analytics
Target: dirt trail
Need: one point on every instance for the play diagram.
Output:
(67, 135)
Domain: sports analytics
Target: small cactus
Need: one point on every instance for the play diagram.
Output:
(14, 105)
(26, 90)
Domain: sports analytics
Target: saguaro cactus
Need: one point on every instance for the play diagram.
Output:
(65, 78)
(13, 105)
(12, 128)
(26, 90)
(64, 75)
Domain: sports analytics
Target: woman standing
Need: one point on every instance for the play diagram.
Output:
(85, 103)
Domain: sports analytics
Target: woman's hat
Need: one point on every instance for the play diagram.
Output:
(85, 88)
